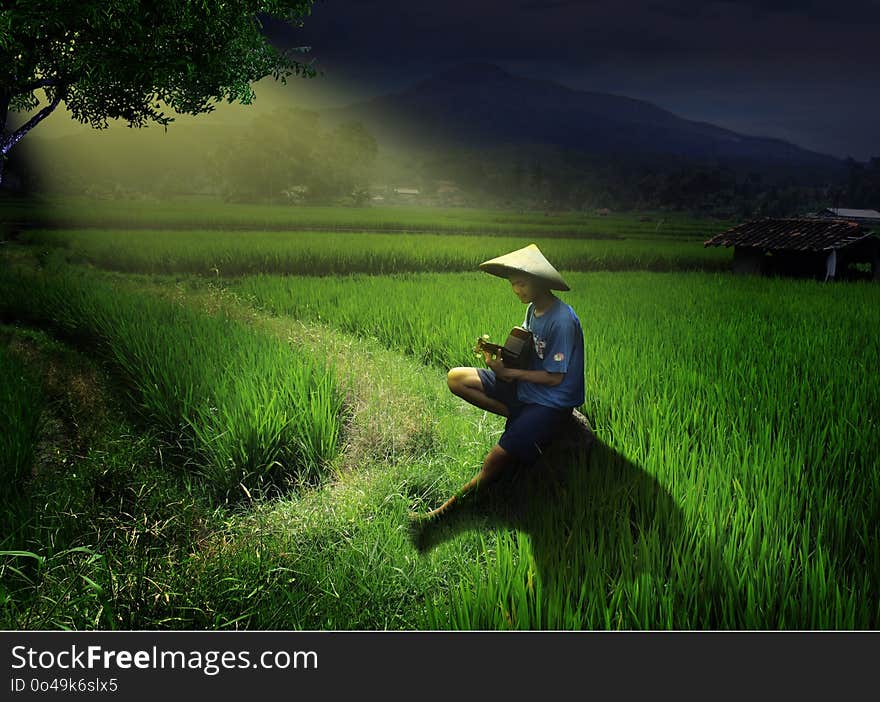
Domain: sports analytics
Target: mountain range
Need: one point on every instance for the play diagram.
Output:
(479, 105)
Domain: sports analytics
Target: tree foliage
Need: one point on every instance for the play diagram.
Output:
(132, 59)
(288, 156)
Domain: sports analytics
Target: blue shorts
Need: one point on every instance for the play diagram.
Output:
(529, 428)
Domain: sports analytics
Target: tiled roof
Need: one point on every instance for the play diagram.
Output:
(815, 234)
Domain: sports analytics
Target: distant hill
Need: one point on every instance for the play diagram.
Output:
(480, 105)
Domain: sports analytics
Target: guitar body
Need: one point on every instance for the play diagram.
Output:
(517, 350)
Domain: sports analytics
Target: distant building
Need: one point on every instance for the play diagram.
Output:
(860, 216)
(296, 193)
(814, 247)
(406, 191)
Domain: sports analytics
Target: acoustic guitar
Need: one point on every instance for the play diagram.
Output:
(516, 352)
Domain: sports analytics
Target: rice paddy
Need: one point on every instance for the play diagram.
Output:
(251, 408)
(734, 482)
(691, 378)
(83, 213)
(229, 254)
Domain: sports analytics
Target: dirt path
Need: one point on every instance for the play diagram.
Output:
(399, 409)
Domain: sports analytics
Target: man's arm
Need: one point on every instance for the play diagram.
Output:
(540, 377)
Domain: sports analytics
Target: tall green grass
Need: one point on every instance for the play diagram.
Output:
(211, 253)
(95, 535)
(753, 403)
(21, 406)
(255, 411)
(734, 483)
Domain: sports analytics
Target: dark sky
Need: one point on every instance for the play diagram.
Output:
(807, 72)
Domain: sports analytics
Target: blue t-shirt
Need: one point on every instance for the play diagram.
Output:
(559, 348)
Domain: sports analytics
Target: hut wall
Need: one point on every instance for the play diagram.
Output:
(747, 260)
(798, 264)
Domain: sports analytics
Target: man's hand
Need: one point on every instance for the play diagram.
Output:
(502, 373)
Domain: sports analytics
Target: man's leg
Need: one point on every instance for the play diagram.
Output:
(495, 463)
(466, 383)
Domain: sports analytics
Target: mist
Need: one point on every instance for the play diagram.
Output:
(275, 149)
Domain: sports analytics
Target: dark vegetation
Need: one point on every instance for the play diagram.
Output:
(92, 533)
(292, 158)
(133, 60)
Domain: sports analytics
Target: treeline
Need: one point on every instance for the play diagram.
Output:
(293, 156)
(290, 157)
(551, 178)
(862, 188)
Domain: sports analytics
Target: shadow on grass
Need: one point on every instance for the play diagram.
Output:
(586, 511)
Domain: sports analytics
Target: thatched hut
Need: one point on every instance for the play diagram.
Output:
(818, 248)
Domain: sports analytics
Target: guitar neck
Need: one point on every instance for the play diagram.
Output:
(483, 345)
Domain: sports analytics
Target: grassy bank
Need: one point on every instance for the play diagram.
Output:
(256, 411)
(99, 523)
(133, 539)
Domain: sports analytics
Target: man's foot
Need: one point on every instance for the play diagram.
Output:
(443, 509)
(417, 527)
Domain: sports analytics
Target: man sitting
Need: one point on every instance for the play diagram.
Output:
(538, 400)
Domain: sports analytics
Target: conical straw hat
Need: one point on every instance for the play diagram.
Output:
(527, 260)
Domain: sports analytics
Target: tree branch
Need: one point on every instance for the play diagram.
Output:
(39, 83)
(7, 142)
(4, 112)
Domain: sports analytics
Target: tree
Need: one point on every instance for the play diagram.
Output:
(288, 154)
(277, 152)
(350, 154)
(123, 59)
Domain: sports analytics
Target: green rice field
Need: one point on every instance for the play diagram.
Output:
(225, 254)
(266, 407)
(82, 213)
